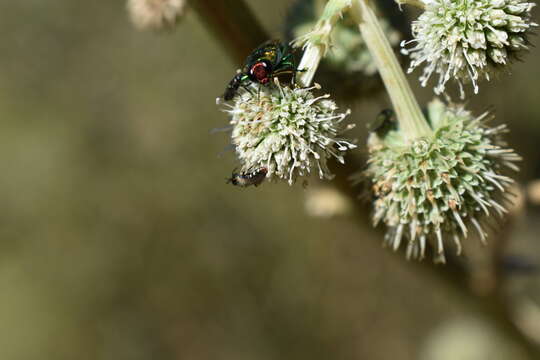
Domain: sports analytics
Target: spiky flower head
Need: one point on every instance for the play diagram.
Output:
(155, 14)
(468, 39)
(436, 188)
(287, 130)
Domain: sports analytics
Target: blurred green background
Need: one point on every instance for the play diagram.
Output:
(121, 240)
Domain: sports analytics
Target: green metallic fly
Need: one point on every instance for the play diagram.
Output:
(270, 60)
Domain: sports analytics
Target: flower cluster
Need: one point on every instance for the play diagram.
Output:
(287, 130)
(434, 177)
(436, 187)
(468, 39)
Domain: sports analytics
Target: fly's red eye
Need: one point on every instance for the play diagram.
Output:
(259, 72)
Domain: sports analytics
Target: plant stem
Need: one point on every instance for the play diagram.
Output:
(317, 42)
(309, 63)
(411, 120)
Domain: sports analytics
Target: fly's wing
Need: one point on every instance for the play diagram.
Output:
(269, 50)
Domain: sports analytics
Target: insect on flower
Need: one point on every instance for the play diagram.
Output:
(384, 122)
(247, 178)
(270, 60)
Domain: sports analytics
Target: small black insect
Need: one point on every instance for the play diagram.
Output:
(245, 179)
(268, 61)
(384, 122)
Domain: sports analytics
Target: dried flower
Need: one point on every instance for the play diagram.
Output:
(468, 39)
(287, 130)
(155, 14)
(436, 187)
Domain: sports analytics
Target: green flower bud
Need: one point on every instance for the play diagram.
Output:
(437, 188)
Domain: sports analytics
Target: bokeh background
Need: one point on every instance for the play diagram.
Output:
(119, 238)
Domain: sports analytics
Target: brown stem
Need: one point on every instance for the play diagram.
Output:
(234, 25)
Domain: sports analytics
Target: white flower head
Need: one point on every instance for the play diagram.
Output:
(468, 39)
(439, 187)
(287, 130)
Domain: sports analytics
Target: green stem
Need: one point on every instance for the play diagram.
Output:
(411, 120)
(317, 42)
